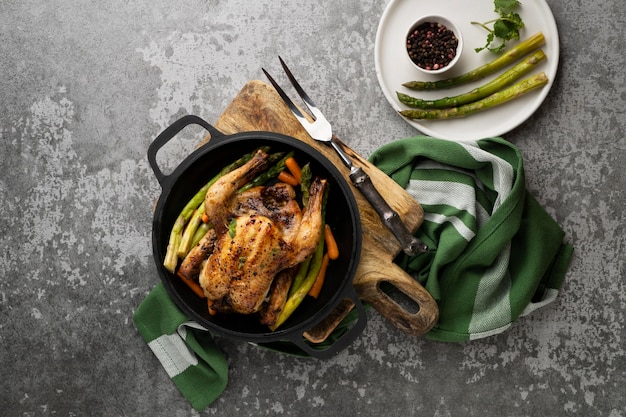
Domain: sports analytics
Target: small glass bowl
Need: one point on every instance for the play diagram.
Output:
(440, 27)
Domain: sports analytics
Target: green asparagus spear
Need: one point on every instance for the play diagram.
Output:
(272, 172)
(516, 90)
(305, 183)
(504, 80)
(171, 256)
(294, 300)
(479, 73)
(190, 230)
(200, 232)
(301, 274)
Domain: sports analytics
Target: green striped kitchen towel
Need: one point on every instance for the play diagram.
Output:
(185, 349)
(497, 255)
(189, 353)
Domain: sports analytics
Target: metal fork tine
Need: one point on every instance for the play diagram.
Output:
(305, 97)
(314, 121)
(294, 109)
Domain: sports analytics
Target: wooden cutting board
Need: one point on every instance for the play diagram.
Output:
(258, 107)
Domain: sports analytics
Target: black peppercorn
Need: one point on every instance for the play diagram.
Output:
(431, 45)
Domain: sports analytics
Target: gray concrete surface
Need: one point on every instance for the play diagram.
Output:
(85, 87)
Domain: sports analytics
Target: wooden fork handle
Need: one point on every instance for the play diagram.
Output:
(410, 244)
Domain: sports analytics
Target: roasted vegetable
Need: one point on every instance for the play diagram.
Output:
(504, 80)
(493, 100)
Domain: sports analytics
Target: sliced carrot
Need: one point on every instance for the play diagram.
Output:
(195, 287)
(331, 243)
(319, 280)
(294, 168)
(205, 218)
(286, 177)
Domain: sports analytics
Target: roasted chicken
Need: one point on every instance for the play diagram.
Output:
(259, 233)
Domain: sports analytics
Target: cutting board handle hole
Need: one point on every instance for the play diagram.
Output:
(399, 297)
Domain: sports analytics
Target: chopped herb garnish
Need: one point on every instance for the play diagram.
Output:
(231, 227)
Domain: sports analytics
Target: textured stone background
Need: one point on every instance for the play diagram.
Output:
(85, 87)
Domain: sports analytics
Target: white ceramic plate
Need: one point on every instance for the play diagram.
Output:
(393, 67)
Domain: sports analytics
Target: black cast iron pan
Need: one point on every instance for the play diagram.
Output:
(341, 213)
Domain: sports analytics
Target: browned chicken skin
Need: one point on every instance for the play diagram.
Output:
(278, 296)
(271, 234)
(190, 267)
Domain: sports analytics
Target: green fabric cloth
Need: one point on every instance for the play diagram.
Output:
(188, 352)
(496, 254)
(185, 349)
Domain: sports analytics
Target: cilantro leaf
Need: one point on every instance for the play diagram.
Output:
(506, 27)
(504, 6)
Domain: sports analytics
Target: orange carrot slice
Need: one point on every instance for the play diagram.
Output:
(319, 280)
(286, 177)
(331, 244)
(195, 287)
(294, 168)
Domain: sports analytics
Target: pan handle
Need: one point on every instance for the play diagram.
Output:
(415, 324)
(169, 133)
(345, 339)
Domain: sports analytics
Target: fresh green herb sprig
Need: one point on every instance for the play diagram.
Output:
(232, 227)
(505, 28)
